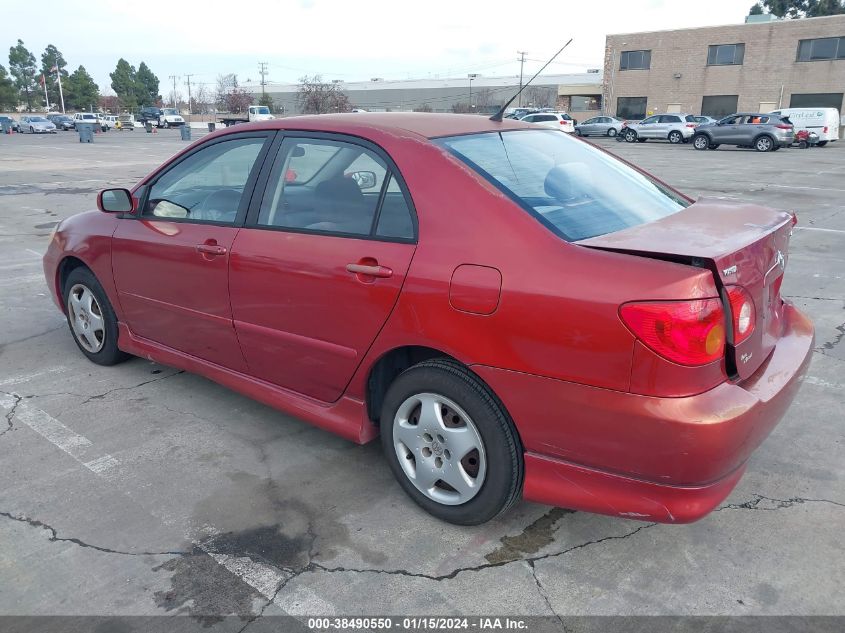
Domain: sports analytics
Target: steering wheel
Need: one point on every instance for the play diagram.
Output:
(219, 206)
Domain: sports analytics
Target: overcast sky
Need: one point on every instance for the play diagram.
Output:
(340, 39)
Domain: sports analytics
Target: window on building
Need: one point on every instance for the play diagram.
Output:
(816, 100)
(725, 54)
(821, 49)
(635, 60)
(719, 106)
(631, 107)
(584, 103)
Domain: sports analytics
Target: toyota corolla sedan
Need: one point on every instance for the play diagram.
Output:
(37, 125)
(515, 312)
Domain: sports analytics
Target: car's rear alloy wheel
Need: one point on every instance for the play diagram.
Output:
(612, 132)
(91, 318)
(675, 137)
(450, 443)
(763, 144)
(701, 142)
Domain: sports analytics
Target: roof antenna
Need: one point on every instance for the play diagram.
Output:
(498, 116)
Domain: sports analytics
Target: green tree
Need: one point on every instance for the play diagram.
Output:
(23, 69)
(266, 100)
(81, 93)
(756, 9)
(52, 58)
(795, 9)
(125, 85)
(8, 92)
(146, 86)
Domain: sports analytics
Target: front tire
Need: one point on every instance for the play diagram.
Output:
(630, 136)
(91, 318)
(450, 443)
(701, 141)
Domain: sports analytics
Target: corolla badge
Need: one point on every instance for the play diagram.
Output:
(729, 271)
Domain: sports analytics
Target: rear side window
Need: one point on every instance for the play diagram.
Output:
(692, 119)
(576, 190)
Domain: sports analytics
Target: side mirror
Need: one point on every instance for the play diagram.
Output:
(364, 179)
(114, 201)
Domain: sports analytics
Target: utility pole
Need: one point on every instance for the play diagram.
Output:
(263, 72)
(188, 81)
(521, 63)
(174, 78)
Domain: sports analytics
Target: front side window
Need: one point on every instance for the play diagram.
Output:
(651, 119)
(725, 54)
(576, 190)
(334, 187)
(635, 60)
(208, 185)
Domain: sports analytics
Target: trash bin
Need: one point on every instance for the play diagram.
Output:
(86, 132)
(211, 127)
(185, 131)
(149, 126)
(7, 126)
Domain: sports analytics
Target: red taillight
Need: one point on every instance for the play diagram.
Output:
(744, 316)
(692, 124)
(783, 126)
(825, 129)
(685, 332)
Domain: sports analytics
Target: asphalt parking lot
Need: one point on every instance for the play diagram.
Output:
(141, 490)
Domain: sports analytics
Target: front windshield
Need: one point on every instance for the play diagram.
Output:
(262, 110)
(170, 111)
(37, 119)
(573, 188)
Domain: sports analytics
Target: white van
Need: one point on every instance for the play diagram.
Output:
(823, 121)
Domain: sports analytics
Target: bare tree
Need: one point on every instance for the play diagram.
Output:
(316, 97)
(225, 85)
(540, 96)
(200, 99)
(238, 100)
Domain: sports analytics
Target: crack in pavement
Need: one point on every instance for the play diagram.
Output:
(543, 593)
(103, 395)
(55, 538)
(777, 504)
(11, 414)
(839, 299)
(838, 339)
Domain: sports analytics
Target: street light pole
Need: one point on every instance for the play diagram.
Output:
(471, 77)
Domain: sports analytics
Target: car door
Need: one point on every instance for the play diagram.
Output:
(646, 127)
(729, 130)
(591, 126)
(170, 261)
(319, 266)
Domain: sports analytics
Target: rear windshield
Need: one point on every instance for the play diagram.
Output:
(573, 188)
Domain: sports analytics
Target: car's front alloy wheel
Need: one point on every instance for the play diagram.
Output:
(450, 443)
(701, 142)
(91, 318)
(763, 144)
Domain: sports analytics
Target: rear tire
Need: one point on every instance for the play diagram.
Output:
(675, 137)
(91, 318)
(701, 141)
(764, 144)
(612, 132)
(422, 449)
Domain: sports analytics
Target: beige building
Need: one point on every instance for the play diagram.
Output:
(757, 66)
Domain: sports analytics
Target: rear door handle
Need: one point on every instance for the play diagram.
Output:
(211, 249)
(370, 271)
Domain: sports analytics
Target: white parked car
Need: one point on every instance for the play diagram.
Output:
(557, 120)
(823, 121)
(108, 120)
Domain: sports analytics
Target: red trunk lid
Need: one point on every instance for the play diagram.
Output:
(742, 244)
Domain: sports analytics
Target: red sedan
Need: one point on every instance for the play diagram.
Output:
(514, 312)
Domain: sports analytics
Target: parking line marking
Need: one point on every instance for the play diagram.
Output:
(36, 253)
(263, 578)
(821, 382)
(813, 228)
(16, 380)
(58, 435)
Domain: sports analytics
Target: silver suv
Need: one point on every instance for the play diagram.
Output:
(763, 132)
(673, 127)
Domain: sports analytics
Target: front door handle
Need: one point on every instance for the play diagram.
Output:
(211, 249)
(370, 270)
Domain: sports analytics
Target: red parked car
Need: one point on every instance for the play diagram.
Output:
(514, 311)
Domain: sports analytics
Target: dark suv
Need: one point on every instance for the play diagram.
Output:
(763, 132)
(149, 113)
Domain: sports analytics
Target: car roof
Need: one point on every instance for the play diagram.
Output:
(428, 125)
